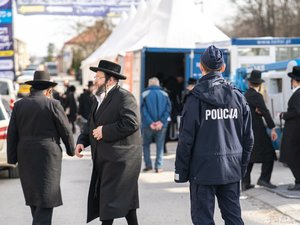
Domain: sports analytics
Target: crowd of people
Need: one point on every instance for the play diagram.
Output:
(222, 134)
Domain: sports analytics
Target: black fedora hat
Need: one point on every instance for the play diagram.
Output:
(255, 77)
(41, 80)
(110, 68)
(295, 74)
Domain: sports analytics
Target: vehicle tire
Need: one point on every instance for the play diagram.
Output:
(13, 172)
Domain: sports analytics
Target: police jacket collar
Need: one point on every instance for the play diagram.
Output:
(212, 75)
(214, 90)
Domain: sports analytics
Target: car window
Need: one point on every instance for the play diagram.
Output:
(6, 107)
(3, 88)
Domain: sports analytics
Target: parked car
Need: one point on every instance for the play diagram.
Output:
(13, 170)
(7, 91)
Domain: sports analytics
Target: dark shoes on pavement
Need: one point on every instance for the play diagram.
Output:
(266, 184)
(246, 187)
(295, 187)
(147, 169)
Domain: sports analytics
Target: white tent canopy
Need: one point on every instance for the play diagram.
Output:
(161, 24)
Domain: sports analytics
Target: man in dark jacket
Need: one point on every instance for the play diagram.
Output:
(215, 143)
(290, 145)
(263, 151)
(71, 107)
(85, 104)
(86, 101)
(36, 126)
(156, 109)
(113, 132)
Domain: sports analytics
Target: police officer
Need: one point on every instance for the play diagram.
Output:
(215, 143)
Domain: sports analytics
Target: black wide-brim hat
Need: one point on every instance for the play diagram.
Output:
(110, 68)
(41, 80)
(295, 74)
(255, 77)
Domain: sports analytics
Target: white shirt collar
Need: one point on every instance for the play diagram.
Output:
(101, 97)
(295, 89)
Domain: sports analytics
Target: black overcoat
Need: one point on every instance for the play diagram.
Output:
(263, 150)
(116, 157)
(36, 126)
(290, 144)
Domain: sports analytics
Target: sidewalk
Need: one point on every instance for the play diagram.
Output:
(281, 176)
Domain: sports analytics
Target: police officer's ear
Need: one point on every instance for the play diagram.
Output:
(201, 68)
(223, 68)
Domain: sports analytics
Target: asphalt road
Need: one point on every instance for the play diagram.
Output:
(162, 202)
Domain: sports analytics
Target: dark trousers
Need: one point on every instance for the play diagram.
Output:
(130, 217)
(41, 216)
(295, 168)
(203, 203)
(266, 172)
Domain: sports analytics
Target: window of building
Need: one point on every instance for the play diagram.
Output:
(245, 51)
(287, 53)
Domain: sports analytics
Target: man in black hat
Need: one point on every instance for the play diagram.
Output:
(36, 126)
(85, 104)
(215, 143)
(290, 145)
(113, 132)
(263, 150)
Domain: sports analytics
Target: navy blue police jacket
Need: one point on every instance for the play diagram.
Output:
(215, 136)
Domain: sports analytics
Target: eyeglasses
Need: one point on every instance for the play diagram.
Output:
(98, 78)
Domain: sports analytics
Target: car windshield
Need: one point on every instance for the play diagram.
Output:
(3, 88)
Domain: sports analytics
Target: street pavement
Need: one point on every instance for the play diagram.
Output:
(162, 202)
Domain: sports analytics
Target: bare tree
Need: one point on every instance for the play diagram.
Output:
(265, 18)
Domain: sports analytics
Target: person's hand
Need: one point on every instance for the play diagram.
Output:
(159, 125)
(79, 148)
(97, 133)
(281, 115)
(258, 111)
(153, 126)
(273, 135)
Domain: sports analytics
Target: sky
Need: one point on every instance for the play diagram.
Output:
(37, 31)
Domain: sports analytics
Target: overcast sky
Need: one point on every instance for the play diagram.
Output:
(39, 31)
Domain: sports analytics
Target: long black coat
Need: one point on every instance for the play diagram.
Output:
(290, 144)
(36, 126)
(116, 157)
(263, 150)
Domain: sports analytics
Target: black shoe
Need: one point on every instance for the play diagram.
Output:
(246, 187)
(266, 184)
(295, 187)
(147, 169)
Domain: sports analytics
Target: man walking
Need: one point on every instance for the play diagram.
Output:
(113, 131)
(155, 108)
(215, 143)
(263, 150)
(290, 145)
(36, 126)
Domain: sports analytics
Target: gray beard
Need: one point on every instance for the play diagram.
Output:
(100, 90)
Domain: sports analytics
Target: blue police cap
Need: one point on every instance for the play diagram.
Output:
(212, 58)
